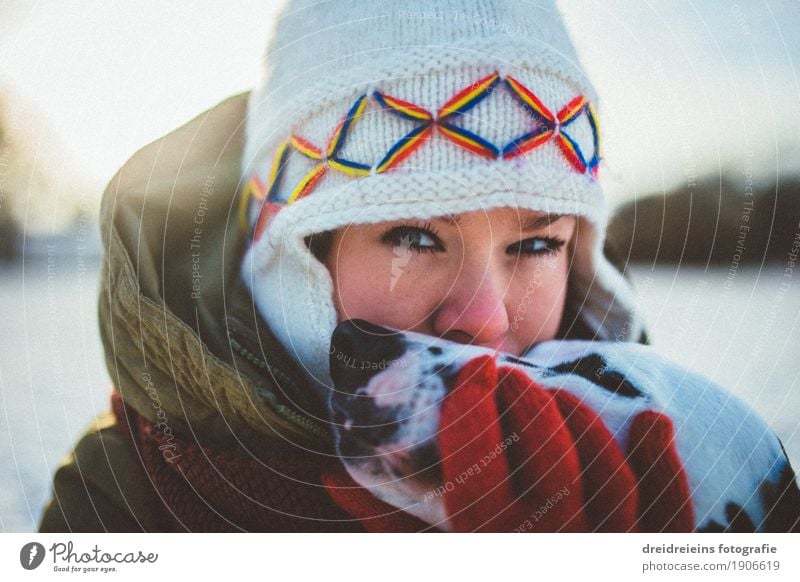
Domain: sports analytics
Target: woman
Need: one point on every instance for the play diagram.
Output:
(430, 171)
(402, 118)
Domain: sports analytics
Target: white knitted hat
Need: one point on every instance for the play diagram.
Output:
(372, 111)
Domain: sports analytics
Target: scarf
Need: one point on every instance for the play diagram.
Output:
(203, 489)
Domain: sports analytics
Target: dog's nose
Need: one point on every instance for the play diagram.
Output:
(359, 350)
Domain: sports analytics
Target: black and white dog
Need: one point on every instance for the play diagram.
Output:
(389, 387)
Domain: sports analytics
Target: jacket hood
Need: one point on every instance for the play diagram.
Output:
(182, 340)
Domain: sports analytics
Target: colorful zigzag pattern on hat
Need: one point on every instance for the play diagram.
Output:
(548, 126)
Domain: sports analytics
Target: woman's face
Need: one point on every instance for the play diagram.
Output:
(493, 278)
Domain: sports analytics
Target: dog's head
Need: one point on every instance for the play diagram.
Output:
(385, 409)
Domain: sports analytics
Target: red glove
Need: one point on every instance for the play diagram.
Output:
(517, 457)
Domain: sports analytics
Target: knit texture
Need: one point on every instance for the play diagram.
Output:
(208, 490)
(298, 165)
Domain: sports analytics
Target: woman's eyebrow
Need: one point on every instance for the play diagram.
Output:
(538, 222)
(530, 224)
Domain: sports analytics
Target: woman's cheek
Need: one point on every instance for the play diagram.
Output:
(411, 291)
(536, 305)
(380, 285)
(557, 296)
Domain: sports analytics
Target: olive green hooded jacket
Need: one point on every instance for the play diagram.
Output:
(182, 342)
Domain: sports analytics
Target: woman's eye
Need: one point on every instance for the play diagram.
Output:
(536, 246)
(412, 237)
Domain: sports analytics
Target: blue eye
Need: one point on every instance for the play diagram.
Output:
(536, 246)
(416, 238)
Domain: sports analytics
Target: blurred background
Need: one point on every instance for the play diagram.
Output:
(700, 128)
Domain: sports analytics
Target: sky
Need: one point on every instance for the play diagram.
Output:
(686, 87)
(109, 77)
(693, 87)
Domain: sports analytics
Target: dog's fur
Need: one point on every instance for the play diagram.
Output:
(390, 385)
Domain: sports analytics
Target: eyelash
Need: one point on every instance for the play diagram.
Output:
(394, 237)
(553, 246)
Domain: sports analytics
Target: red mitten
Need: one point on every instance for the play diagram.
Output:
(664, 497)
(504, 448)
(513, 458)
(517, 457)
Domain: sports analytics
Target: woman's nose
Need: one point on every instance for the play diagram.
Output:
(474, 310)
